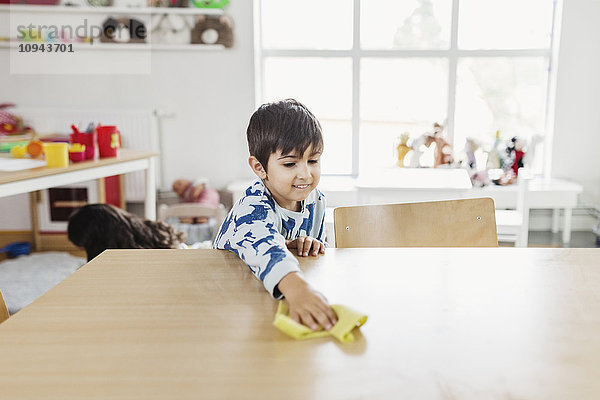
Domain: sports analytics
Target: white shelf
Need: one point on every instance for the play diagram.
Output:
(126, 46)
(109, 10)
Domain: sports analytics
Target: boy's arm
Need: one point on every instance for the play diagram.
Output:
(252, 235)
(249, 231)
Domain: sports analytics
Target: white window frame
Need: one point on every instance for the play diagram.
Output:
(453, 54)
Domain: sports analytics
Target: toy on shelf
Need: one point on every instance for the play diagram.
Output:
(468, 160)
(123, 30)
(77, 152)
(57, 154)
(170, 28)
(210, 3)
(87, 138)
(18, 151)
(12, 124)
(494, 160)
(168, 3)
(416, 147)
(515, 152)
(402, 149)
(35, 148)
(443, 150)
(213, 30)
(109, 141)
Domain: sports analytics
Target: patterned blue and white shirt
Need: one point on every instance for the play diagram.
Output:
(256, 229)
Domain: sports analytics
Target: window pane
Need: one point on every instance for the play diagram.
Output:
(508, 94)
(307, 24)
(506, 24)
(337, 155)
(407, 24)
(398, 95)
(324, 85)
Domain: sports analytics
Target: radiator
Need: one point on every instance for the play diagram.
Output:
(139, 131)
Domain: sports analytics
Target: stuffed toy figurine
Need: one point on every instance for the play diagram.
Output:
(123, 30)
(171, 28)
(515, 152)
(195, 192)
(443, 150)
(11, 124)
(213, 30)
(402, 149)
(424, 140)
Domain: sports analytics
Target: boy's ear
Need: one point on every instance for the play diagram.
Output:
(257, 167)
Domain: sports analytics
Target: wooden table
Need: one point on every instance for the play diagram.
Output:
(31, 180)
(498, 323)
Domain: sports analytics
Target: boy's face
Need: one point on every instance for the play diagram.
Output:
(291, 177)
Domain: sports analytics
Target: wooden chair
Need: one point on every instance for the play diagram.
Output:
(193, 210)
(3, 310)
(449, 223)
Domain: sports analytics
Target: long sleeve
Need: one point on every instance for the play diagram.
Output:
(251, 231)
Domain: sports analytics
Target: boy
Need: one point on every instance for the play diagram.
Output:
(284, 209)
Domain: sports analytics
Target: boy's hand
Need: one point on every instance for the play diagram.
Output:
(306, 245)
(307, 306)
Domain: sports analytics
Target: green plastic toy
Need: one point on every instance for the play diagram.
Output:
(210, 3)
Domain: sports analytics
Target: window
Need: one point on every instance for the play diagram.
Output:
(372, 70)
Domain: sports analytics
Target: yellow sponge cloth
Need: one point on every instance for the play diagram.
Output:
(348, 319)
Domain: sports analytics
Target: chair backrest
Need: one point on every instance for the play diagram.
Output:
(194, 210)
(449, 223)
(3, 310)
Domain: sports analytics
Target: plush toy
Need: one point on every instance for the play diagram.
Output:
(495, 154)
(471, 147)
(402, 149)
(123, 30)
(168, 3)
(417, 147)
(213, 30)
(195, 192)
(171, 28)
(210, 3)
(515, 152)
(443, 151)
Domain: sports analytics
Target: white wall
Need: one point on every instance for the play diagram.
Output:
(211, 92)
(576, 145)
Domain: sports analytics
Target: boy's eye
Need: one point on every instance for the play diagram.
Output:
(313, 161)
(289, 164)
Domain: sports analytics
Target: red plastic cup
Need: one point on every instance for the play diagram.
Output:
(88, 139)
(109, 141)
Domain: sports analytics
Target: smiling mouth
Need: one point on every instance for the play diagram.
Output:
(300, 186)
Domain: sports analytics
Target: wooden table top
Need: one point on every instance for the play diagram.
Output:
(499, 323)
(124, 155)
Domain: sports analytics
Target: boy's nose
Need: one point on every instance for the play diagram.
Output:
(303, 172)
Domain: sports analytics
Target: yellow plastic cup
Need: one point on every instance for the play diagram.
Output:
(57, 154)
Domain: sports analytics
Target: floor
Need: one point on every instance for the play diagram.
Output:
(549, 239)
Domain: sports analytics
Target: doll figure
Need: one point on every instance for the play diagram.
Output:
(494, 160)
(424, 140)
(402, 149)
(195, 192)
(443, 150)
(515, 152)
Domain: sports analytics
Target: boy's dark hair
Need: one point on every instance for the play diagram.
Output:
(97, 227)
(285, 125)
